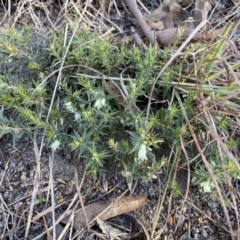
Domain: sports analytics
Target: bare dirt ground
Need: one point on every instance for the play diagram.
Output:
(57, 179)
(181, 216)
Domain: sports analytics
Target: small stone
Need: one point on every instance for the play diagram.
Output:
(204, 233)
(29, 192)
(196, 214)
(218, 217)
(185, 226)
(208, 212)
(196, 236)
(170, 220)
(200, 220)
(72, 182)
(23, 177)
(67, 191)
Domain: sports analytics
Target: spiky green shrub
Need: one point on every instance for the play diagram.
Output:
(63, 96)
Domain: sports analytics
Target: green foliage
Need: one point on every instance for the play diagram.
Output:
(221, 166)
(63, 96)
(175, 189)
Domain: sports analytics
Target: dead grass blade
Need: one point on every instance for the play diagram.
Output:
(162, 197)
(59, 220)
(109, 231)
(188, 180)
(7, 12)
(213, 131)
(35, 185)
(4, 207)
(81, 200)
(52, 194)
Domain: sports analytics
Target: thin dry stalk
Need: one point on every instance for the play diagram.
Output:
(48, 17)
(81, 200)
(104, 6)
(218, 139)
(228, 181)
(71, 227)
(34, 17)
(15, 223)
(46, 227)
(207, 164)
(71, 217)
(4, 207)
(65, 6)
(234, 203)
(199, 11)
(229, 68)
(35, 185)
(160, 202)
(138, 15)
(52, 194)
(19, 11)
(171, 196)
(59, 220)
(234, 47)
(64, 231)
(142, 5)
(100, 21)
(47, 210)
(188, 180)
(7, 11)
(117, 10)
(6, 167)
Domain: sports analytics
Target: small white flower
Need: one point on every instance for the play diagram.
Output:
(152, 176)
(61, 120)
(69, 106)
(101, 102)
(77, 115)
(55, 145)
(207, 186)
(142, 152)
(126, 174)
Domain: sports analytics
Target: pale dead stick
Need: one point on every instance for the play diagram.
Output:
(137, 39)
(132, 4)
(203, 23)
